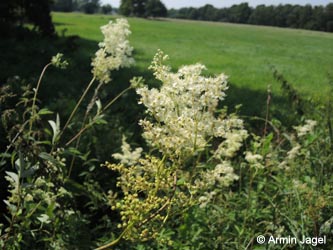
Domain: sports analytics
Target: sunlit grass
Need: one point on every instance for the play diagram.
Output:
(245, 53)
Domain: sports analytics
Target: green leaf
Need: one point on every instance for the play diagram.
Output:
(5, 155)
(55, 128)
(99, 106)
(48, 157)
(12, 208)
(13, 176)
(74, 151)
(45, 112)
(44, 218)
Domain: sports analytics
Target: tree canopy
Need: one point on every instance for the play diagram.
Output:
(143, 8)
(15, 13)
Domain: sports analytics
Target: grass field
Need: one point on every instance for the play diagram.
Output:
(245, 53)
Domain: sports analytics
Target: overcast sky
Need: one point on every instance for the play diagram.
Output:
(225, 3)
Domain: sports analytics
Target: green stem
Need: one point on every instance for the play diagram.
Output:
(103, 110)
(79, 133)
(116, 240)
(115, 99)
(35, 95)
(77, 105)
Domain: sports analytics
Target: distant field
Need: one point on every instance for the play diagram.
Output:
(243, 52)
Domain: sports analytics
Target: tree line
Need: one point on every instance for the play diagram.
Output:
(86, 6)
(287, 15)
(139, 8)
(143, 8)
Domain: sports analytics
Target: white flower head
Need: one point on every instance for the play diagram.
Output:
(294, 152)
(307, 128)
(58, 61)
(255, 160)
(128, 156)
(184, 108)
(114, 52)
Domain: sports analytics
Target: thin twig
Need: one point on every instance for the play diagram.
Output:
(267, 110)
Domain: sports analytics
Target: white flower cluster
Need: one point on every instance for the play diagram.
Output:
(185, 111)
(58, 61)
(254, 160)
(221, 176)
(306, 128)
(128, 157)
(115, 51)
(294, 152)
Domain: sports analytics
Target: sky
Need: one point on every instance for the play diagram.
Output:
(225, 3)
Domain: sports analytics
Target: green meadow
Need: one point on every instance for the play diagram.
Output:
(245, 53)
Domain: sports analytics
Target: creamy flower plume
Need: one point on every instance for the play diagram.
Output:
(185, 110)
(115, 51)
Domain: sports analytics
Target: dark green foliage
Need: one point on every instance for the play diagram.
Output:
(155, 8)
(90, 8)
(294, 16)
(63, 5)
(239, 13)
(86, 6)
(143, 8)
(133, 7)
(14, 13)
(126, 7)
(106, 9)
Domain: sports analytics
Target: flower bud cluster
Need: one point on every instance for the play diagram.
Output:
(146, 186)
(58, 61)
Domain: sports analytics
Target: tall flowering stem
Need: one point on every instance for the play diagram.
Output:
(183, 121)
(114, 52)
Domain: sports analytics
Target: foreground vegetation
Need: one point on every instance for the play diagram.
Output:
(185, 172)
